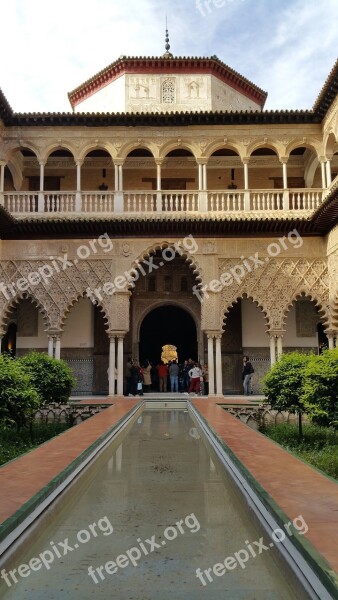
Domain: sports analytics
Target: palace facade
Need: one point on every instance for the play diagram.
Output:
(169, 207)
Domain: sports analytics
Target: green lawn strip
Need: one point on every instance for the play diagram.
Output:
(318, 447)
(15, 443)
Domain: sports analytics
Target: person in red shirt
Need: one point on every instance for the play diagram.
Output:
(162, 370)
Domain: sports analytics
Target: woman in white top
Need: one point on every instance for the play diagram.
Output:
(195, 375)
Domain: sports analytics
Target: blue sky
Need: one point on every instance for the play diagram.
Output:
(286, 47)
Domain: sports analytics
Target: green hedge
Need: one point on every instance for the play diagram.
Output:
(318, 446)
(52, 378)
(14, 443)
(28, 382)
(305, 383)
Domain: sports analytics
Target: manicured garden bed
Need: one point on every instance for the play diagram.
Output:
(13, 443)
(318, 446)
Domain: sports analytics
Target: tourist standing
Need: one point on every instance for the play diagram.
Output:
(205, 374)
(147, 377)
(173, 374)
(195, 375)
(246, 375)
(162, 370)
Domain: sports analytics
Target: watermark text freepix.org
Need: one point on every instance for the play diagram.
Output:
(56, 551)
(144, 267)
(143, 548)
(205, 7)
(249, 264)
(251, 550)
(56, 264)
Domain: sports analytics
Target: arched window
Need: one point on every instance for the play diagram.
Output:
(168, 91)
(151, 284)
(184, 284)
(168, 284)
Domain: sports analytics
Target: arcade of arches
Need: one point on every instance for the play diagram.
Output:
(287, 303)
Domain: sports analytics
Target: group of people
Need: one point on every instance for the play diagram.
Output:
(188, 377)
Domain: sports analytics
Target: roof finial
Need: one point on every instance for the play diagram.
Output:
(167, 54)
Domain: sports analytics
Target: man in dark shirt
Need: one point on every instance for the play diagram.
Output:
(246, 375)
(173, 374)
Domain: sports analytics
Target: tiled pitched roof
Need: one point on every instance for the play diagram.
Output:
(5, 108)
(328, 92)
(180, 64)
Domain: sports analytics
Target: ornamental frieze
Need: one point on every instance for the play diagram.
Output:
(275, 284)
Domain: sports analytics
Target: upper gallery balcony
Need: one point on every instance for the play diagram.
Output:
(243, 203)
(223, 185)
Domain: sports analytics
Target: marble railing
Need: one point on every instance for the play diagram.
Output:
(70, 203)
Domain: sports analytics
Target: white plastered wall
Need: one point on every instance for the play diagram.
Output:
(253, 326)
(79, 326)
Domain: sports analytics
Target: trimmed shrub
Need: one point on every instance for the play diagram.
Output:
(53, 379)
(18, 396)
(320, 391)
(283, 384)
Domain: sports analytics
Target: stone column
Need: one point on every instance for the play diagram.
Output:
(247, 206)
(328, 173)
(200, 177)
(50, 346)
(205, 178)
(246, 173)
(159, 185)
(285, 174)
(2, 180)
(116, 182)
(279, 346)
(272, 349)
(120, 365)
(42, 176)
(112, 365)
(118, 196)
(211, 368)
(159, 175)
(41, 199)
(219, 378)
(78, 175)
(331, 337)
(322, 164)
(58, 347)
(78, 203)
(120, 178)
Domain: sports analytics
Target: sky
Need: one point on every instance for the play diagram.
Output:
(48, 47)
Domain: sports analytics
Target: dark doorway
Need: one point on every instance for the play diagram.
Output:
(323, 342)
(168, 325)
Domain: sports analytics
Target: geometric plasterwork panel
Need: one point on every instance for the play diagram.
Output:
(56, 294)
(275, 284)
(210, 313)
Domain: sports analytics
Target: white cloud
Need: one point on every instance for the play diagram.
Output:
(286, 48)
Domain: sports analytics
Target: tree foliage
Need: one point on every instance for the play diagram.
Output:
(18, 395)
(283, 384)
(53, 379)
(320, 393)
